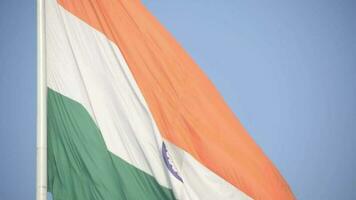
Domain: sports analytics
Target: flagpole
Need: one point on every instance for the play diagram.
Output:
(41, 148)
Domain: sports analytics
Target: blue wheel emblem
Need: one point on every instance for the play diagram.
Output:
(169, 163)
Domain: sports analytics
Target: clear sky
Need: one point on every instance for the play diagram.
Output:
(286, 68)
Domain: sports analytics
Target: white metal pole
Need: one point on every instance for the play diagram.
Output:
(41, 181)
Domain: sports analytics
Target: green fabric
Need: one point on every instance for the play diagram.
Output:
(79, 165)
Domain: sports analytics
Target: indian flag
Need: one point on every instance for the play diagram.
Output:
(130, 115)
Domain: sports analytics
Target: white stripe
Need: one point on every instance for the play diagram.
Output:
(88, 68)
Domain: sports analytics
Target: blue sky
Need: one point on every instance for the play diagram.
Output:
(286, 68)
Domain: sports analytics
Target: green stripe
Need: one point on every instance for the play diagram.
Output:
(79, 165)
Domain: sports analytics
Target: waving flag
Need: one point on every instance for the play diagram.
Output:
(131, 116)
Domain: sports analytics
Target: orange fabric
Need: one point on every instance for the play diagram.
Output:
(187, 108)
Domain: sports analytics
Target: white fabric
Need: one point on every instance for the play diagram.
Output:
(85, 66)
